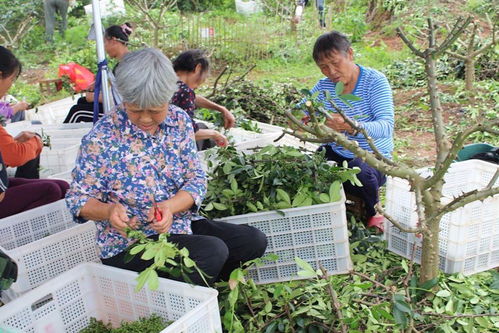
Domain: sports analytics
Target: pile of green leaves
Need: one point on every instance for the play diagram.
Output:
(271, 178)
(261, 102)
(153, 324)
(382, 295)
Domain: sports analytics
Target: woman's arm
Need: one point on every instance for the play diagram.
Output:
(16, 153)
(218, 137)
(229, 120)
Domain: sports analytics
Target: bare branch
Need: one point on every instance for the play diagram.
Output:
(456, 146)
(380, 210)
(409, 44)
(493, 180)
(216, 81)
(326, 134)
(363, 132)
(431, 35)
(335, 303)
(453, 35)
(465, 199)
(456, 55)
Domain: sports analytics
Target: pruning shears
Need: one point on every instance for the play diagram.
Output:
(157, 212)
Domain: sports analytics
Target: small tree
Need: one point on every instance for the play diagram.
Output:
(17, 18)
(153, 12)
(428, 191)
(471, 52)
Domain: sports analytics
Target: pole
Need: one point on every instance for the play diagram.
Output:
(101, 55)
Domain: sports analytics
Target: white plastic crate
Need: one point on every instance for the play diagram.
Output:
(45, 242)
(34, 224)
(317, 234)
(52, 113)
(67, 303)
(66, 175)
(17, 127)
(469, 236)
(60, 157)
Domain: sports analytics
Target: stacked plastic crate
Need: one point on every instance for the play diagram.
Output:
(469, 236)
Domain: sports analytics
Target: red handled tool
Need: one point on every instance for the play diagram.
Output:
(157, 212)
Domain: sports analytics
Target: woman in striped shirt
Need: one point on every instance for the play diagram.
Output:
(374, 113)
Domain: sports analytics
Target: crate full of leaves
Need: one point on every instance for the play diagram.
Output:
(70, 302)
(296, 199)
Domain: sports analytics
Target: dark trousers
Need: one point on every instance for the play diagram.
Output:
(51, 8)
(29, 170)
(216, 247)
(24, 194)
(82, 112)
(371, 179)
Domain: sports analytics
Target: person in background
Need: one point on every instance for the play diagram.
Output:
(192, 68)
(51, 8)
(116, 39)
(20, 194)
(300, 6)
(374, 113)
(143, 154)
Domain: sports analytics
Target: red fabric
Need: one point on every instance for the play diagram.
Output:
(80, 76)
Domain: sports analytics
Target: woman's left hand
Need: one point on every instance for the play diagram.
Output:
(229, 119)
(166, 221)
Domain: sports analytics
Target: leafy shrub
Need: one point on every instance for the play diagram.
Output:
(265, 102)
(153, 324)
(271, 178)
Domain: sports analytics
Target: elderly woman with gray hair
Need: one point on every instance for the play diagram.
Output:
(144, 154)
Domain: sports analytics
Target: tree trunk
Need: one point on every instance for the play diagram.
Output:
(377, 15)
(430, 257)
(469, 73)
(432, 84)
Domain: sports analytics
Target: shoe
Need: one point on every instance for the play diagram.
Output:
(376, 221)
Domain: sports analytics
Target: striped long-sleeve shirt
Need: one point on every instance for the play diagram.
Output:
(374, 112)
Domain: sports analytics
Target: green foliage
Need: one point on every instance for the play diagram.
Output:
(271, 178)
(153, 324)
(264, 102)
(351, 22)
(384, 296)
(18, 16)
(166, 257)
(27, 92)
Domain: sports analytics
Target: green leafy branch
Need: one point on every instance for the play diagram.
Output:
(166, 256)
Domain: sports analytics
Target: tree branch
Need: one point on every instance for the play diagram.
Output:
(326, 134)
(380, 210)
(465, 199)
(456, 55)
(361, 130)
(334, 299)
(455, 33)
(456, 146)
(409, 44)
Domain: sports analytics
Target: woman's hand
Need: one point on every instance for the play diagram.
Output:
(338, 123)
(166, 221)
(24, 136)
(229, 119)
(20, 106)
(119, 219)
(220, 139)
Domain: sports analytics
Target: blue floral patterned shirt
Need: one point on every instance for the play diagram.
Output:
(118, 162)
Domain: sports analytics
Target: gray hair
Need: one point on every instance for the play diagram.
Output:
(146, 78)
